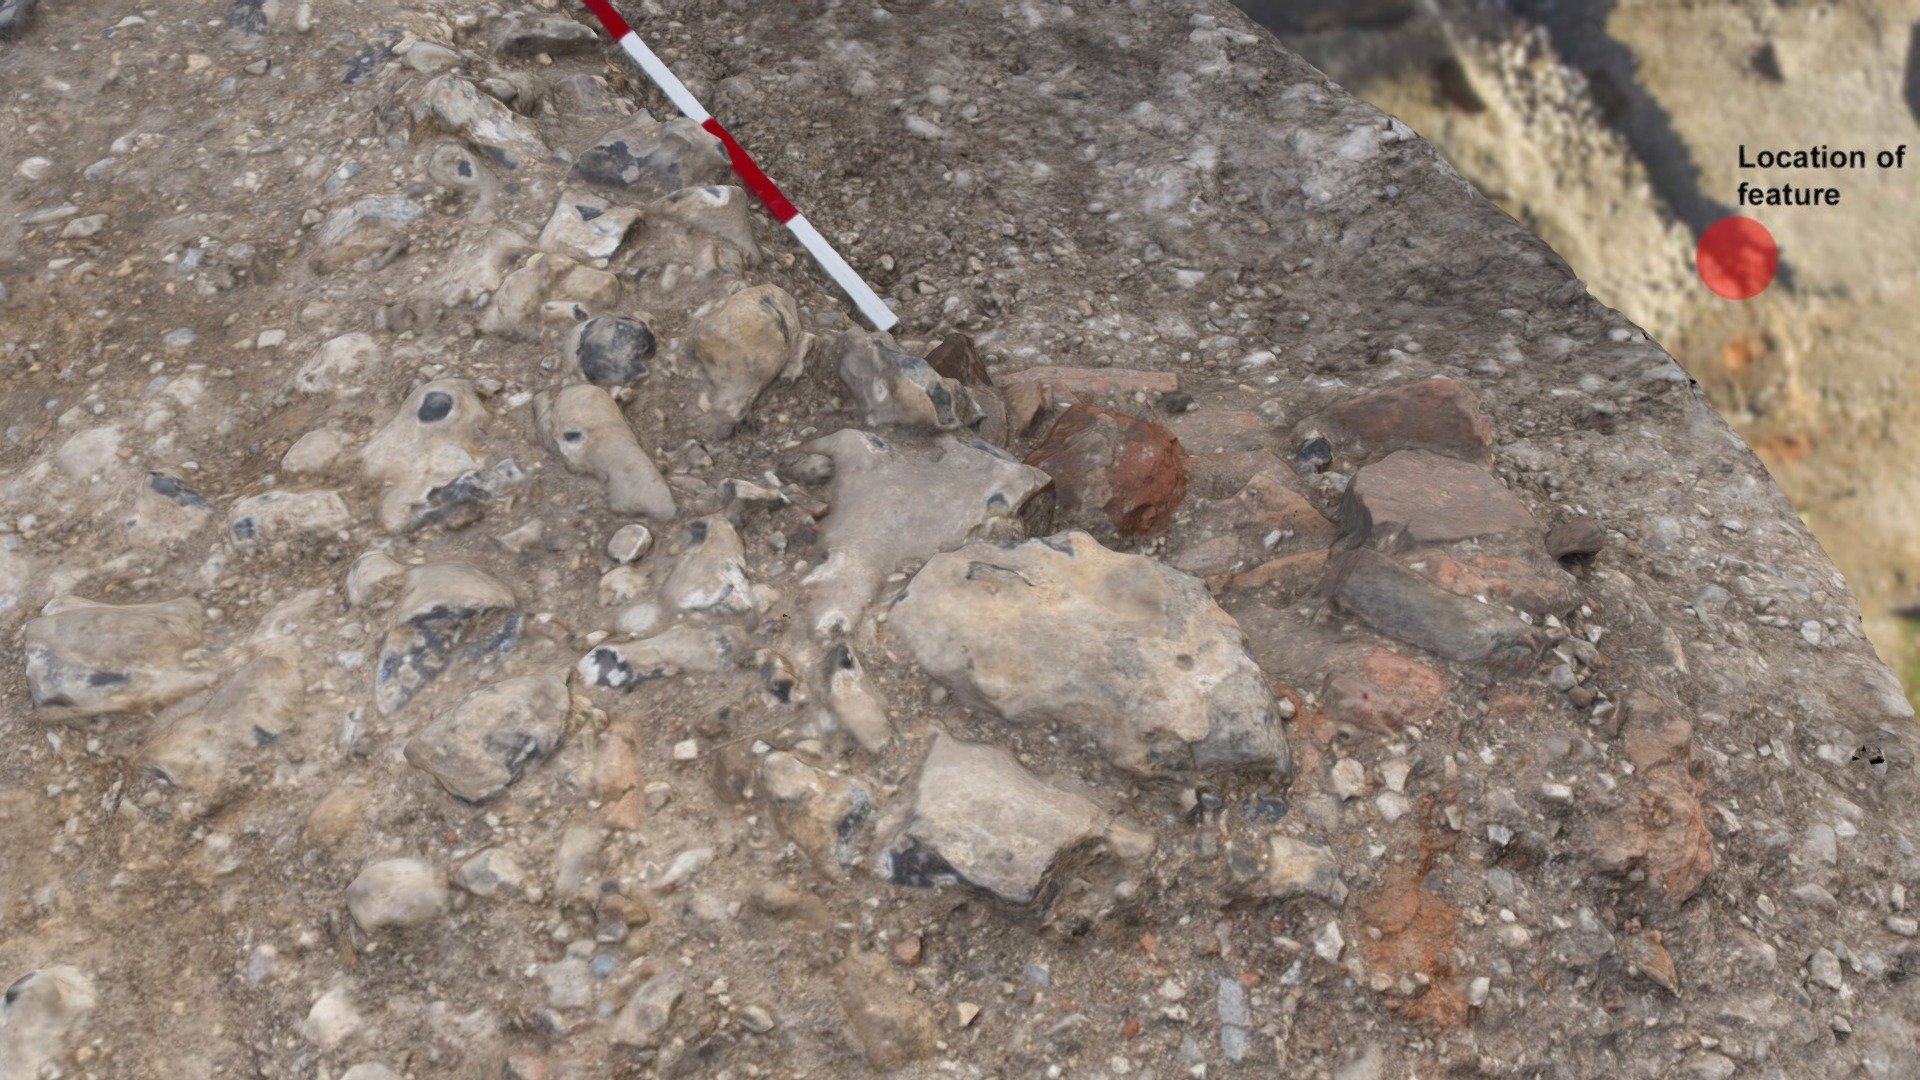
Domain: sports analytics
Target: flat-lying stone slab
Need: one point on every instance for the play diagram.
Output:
(1412, 498)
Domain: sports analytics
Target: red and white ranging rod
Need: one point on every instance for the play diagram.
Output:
(756, 181)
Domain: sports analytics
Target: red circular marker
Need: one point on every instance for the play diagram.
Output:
(1737, 258)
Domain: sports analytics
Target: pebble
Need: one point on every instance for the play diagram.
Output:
(629, 543)
(396, 893)
(83, 228)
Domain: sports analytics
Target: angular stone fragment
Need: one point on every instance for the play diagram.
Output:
(427, 459)
(1296, 868)
(654, 158)
(889, 1024)
(1406, 607)
(719, 212)
(646, 1015)
(340, 367)
(166, 511)
(479, 267)
(896, 503)
(956, 358)
(1113, 475)
(90, 659)
(681, 649)
(528, 33)
(1437, 414)
(1412, 498)
(828, 817)
(449, 611)
(751, 337)
(586, 227)
(43, 1011)
(369, 228)
(981, 820)
(855, 703)
(489, 740)
(287, 515)
(200, 754)
(611, 352)
(396, 893)
(585, 427)
(896, 389)
(491, 872)
(711, 573)
(460, 108)
(1132, 653)
(1576, 538)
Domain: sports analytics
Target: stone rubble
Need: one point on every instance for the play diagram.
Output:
(481, 607)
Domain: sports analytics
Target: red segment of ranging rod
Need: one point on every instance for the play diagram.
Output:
(871, 306)
(750, 174)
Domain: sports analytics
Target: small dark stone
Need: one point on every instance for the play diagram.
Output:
(170, 487)
(611, 351)
(435, 407)
(1176, 403)
(1576, 538)
(1314, 455)
(1264, 809)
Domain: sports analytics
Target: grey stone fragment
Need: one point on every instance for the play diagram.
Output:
(449, 611)
(459, 107)
(611, 351)
(1296, 868)
(586, 227)
(428, 462)
(40, 1015)
(491, 872)
(584, 426)
(644, 1019)
(901, 502)
(648, 156)
(396, 893)
(981, 820)
(710, 575)
(1406, 607)
(492, 737)
(828, 817)
(897, 389)
(88, 659)
(1412, 498)
(287, 515)
(200, 753)
(1126, 650)
(711, 212)
(682, 649)
(528, 33)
